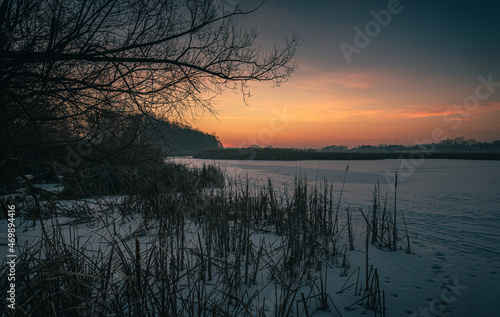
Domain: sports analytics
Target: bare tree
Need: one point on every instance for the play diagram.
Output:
(67, 64)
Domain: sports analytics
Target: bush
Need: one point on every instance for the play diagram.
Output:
(106, 179)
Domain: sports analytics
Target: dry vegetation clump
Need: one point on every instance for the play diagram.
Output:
(161, 250)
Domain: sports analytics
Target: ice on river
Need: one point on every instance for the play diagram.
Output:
(452, 209)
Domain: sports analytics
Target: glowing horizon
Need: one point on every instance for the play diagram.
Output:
(407, 83)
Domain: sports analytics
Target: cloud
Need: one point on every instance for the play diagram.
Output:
(314, 78)
(438, 110)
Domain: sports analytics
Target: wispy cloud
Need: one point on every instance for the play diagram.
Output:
(371, 79)
(437, 110)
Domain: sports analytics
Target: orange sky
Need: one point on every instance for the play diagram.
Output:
(316, 109)
(395, 91)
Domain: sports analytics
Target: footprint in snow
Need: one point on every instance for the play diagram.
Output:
(437, 268)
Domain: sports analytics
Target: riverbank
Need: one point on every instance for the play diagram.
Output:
(282, 154)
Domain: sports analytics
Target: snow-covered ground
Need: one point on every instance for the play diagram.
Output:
(452, 209)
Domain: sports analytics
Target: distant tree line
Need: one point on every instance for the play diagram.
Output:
(457, 148)
(456, 145)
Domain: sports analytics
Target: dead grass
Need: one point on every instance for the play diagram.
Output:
(227, 251)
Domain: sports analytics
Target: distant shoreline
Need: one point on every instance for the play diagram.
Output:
(272, 154)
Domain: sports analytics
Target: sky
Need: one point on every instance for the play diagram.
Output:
(371, 72)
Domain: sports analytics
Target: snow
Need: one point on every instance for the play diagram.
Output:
(452, 209)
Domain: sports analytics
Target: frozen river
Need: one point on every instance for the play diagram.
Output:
(452, 208)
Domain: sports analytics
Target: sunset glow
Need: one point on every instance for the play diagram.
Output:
(411, 79)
